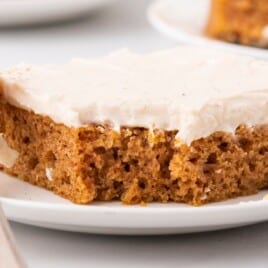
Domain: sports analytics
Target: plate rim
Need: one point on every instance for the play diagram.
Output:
(35, 12)
(116, 218)
(134, 209)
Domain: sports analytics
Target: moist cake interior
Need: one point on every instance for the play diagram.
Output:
(136, 164)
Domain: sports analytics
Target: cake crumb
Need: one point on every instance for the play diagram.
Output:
(265, 197)
(8, 156)
(143, 204)
(203, 197)
(218, 171)
(49, 173)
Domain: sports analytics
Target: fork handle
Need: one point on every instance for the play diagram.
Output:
(9, 256)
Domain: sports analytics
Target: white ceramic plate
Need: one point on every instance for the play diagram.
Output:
(31, 205)
(22, 12)
(185, 21)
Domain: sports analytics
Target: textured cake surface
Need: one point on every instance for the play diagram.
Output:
(239, 21)
(136, 164)
(183, 125)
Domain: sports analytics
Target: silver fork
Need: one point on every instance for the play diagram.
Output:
(9, 256)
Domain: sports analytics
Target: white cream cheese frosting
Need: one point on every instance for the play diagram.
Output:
(195, 91)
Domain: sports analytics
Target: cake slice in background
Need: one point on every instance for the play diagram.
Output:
(239, 21)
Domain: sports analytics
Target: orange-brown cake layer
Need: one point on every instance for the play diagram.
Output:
(136, 164)
(239, 21)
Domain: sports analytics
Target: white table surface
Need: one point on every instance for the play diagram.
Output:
(123, 24)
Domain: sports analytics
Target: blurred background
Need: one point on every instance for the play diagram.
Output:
(95, 31)
(53, 31)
